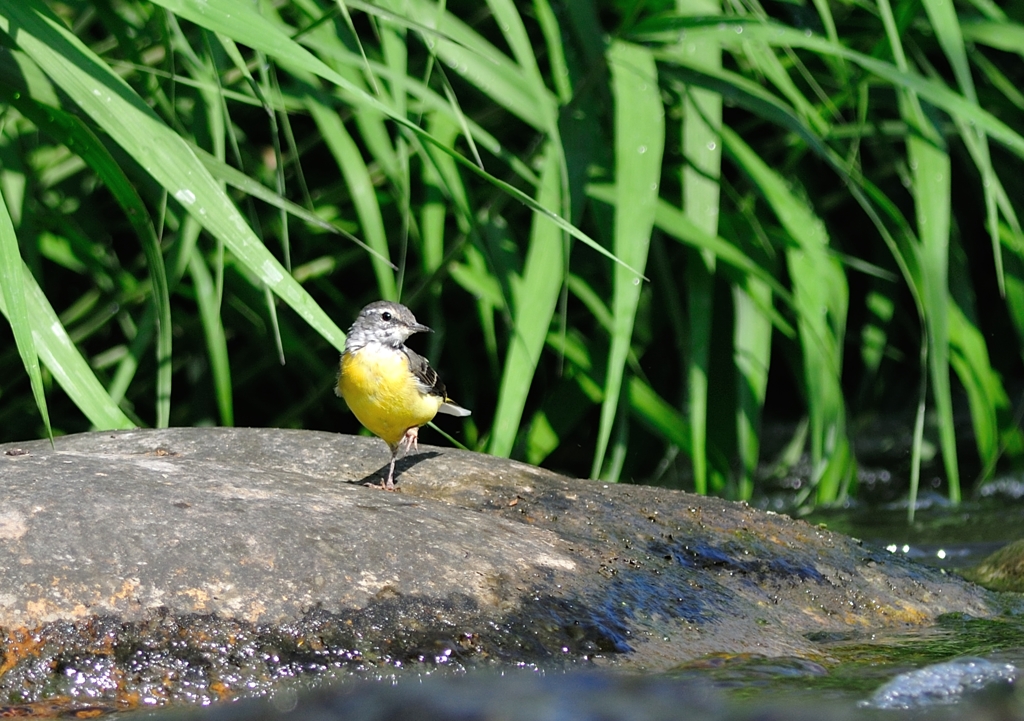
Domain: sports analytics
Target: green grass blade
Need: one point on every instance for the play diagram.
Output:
(556, 51)
(947, 28)
(821, 297)
(700, 284)
(213, 330)
(752, 344)
(985, 394)
(644, 402)
(681, 227)
(73, 133)
(477, 59)
(535, 297)
(930, 170)
(917, 444)
(364, 195)
(658, 414)
(1014, 242)
(429, 100)
(512, 28)
(237, 179)
(639, 145)
(129, 365)
(440, 188)
(516, 86)
(16, 308)
(732, 33)
(63, 360)
(763, 57)
(702, 151)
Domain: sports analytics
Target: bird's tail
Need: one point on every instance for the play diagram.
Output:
(453, 409)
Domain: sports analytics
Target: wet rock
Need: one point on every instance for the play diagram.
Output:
(1003, 570)
(145, 567)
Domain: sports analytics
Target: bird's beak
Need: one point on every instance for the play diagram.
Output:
(420, 328)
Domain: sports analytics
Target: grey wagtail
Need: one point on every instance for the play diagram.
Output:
(391, 389)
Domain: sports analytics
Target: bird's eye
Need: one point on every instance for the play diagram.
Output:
(385, 315)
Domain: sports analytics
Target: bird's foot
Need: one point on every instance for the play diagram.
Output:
(410, 441)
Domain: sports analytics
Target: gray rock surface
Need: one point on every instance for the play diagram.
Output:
(241, 556)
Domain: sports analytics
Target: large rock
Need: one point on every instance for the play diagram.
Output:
(195, 564)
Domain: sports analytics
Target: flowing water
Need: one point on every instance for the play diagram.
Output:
(958, 656)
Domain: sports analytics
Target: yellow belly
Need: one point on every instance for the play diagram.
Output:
(379, 389)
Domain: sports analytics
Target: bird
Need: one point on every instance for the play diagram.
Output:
(391, 389)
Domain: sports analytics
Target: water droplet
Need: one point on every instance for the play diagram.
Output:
(712, 145)
(808, 33)
(271, 274)
(642, 149)
(739, 29)
(654, 186)
(185, 196)
(636, 281)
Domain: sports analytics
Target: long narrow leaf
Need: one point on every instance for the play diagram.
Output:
(213, 330)
(63, 360)
(535, 299)
(752, 344)
(821, 297)
(12, 293)
(72, 132)
(702, 148)
(360, 187)
(639, 145)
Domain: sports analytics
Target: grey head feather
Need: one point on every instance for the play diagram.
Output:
(383, 322)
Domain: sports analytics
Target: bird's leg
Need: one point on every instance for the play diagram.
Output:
(408, 441)
(389, 485)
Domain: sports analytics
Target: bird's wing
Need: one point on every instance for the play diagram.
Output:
(426, 377)
(429, 382)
